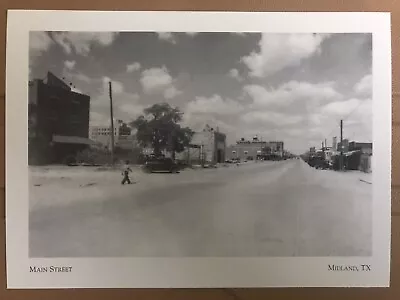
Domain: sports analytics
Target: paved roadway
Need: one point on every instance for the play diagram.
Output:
(257, 209)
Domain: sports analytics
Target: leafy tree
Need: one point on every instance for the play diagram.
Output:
(159, 127)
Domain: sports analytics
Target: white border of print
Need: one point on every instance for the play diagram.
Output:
(192, 272)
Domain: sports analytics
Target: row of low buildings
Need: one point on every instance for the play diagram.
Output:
(352, 155)
(59, 128)
(255, 149)
(209, 146)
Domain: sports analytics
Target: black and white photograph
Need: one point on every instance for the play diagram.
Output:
(199, 144)
(222, 144)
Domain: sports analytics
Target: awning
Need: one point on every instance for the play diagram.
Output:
(62, 139)
(350, 153)
(194, 146)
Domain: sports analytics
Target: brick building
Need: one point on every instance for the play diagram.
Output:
(255, 149)
(123, 138)
(207, 146)
(58, 121)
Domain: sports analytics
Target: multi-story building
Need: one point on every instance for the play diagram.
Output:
(334, 145)
(276, 148)
(102, 135)
(247, 149)
(255, 148)
(58, 121)
(365, 148)
(343, 146)
(207, 146)
(122, 137)
(211, 144)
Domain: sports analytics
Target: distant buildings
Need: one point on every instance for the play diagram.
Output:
(255, 149)
(365, 148)
(356, 155)
(343, 146)
(58, 121)
(246, 149)
(122, 136)
(206, 147)
(334, 144)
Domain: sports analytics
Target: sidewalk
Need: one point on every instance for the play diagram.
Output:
(61, 185)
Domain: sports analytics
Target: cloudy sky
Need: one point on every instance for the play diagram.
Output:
(290, 87)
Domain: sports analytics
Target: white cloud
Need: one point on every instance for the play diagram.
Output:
(275, 118)
(306, 95)
(166, 36)
(69, 64)
(74, 76)
(364, 86)
(39, 42)
(171, 92)
(214, 105)
(131, 109)
(82, 42)
(234, 73)
(295, 132)
(155, 79)
(356, 115)
(341, 108)
(117, 87)
(159, 81)
(278, 51)
(126, 107)
(135, 96)
(83, 77)
(133, 67)
(98, 119)
(197, 122)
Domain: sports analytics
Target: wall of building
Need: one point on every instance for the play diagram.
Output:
(208, 146)
(55, 110)
(205, 139)
(220, 147)
(245, 150)
(251, 149)
(364, 147)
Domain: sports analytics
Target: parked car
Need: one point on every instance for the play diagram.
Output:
(319, 163)
(160, 164)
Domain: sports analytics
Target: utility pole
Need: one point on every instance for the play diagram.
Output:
(341, 144)
(112, 124)
(325, 143)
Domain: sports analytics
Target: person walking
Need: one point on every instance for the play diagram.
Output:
(125, 172)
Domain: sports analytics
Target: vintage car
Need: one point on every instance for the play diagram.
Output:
(160, 164)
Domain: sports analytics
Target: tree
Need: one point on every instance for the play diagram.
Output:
(159, 127)
(124, 129)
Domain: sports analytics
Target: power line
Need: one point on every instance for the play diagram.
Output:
(345, 118)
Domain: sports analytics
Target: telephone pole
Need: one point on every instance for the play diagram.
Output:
(112, 124)
(341, 144)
